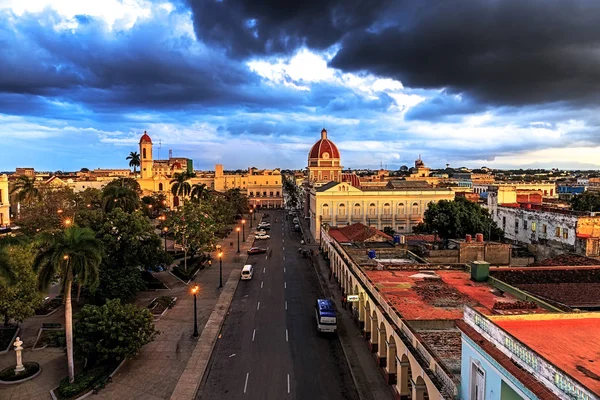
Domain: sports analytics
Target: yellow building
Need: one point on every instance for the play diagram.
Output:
(4, 202)
(263, 187)
(421, 173)
(400, 207)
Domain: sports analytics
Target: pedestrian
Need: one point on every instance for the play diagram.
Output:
(344, 302)
(209, 263)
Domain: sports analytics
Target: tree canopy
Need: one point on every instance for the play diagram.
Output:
(457, 218)
(587, 201)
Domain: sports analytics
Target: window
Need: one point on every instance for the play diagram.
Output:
(267, 182)
(251, 194)
(276, 182)
(400, 209)
(264, 194)
(356, 209)
(557, 232)
(372, 209)
(271, 194)
(415, 208)
(277, 193)
(544, 229)
(517, 226)
(524, 225)
(144, 153)
(533, 226)
(565, 233)
(387, 209)
(326, 210)
(504, 223)
(342, 210)
(160, 187)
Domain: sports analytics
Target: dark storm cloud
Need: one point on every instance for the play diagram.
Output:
(144, 67)
(502, 52)
(444, 107)
(251, 27)
(510, 52)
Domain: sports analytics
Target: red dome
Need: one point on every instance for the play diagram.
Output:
(145, 138)
(324, 146)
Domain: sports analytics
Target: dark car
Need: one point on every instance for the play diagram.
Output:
(256, 250)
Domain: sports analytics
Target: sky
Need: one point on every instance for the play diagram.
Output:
(496, 83)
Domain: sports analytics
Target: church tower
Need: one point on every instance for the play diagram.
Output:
(146, 162)
(324, 161)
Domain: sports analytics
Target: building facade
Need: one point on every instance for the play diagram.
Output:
(324, 162)
(4, 201)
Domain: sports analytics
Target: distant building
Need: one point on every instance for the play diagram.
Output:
(25, 172)
(4, 202)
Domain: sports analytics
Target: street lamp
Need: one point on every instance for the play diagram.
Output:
(165, 230)
(251, 211)
(254, 216)
(68, 222)
(243, 230)
(238, 231)
(194, 291)
(220, 267)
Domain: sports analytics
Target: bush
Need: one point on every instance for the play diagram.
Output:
(8, 374)
(113, 331)
(84, 382)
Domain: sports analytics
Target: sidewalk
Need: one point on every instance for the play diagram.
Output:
(369, 381)
(155, 372)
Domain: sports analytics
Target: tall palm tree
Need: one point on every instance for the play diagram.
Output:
(25, 189)
(199, 192)
(123, 197)
(72, 253)
(134, 158)
(180, 185)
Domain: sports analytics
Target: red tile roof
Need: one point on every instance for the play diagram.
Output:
(145, 138)
(356, 232)
(322, 146)
(571, 344)
(523, 376)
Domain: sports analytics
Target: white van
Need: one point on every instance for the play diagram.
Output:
(247, 272)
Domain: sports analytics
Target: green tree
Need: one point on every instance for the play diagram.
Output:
(52, 208)
(134, 160)
(193, 228)
(74, 253)
(25, 189)
(238, 201)
(6, 271)
(180, 185)
(113, 331)
(455, 219)
(116, 196)
(199, 192)
(587, 201)
(19, 297)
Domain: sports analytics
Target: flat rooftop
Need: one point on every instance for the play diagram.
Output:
(569, 342)
(442, 294)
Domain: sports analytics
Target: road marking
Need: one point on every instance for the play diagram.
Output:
(283, 248)
(261, 284)
(264, 269)
(287, 339)
(286, 305)
(246, 384)
(288, 382)
(283, 258)
(266, 257)
(285, 285)
(253, 334)
(284, 270)
(258, 306)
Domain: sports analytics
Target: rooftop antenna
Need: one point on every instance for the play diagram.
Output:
(159, 146)
(170, 153)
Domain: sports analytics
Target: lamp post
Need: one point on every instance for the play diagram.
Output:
(165, 230)
(254, 215)
(251, 218)
(243, 230)
(238, 231)
(195, 292)
(220, 267)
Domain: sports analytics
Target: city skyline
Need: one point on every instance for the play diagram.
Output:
(246, 85)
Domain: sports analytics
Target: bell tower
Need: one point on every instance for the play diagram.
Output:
(146, 162)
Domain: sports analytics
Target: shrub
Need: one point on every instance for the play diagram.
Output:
(84, 381)
(8, 374)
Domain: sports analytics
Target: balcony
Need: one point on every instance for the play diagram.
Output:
(342, 218)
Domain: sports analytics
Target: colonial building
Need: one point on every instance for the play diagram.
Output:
(263, 187)
(4, 202)
(332, 197)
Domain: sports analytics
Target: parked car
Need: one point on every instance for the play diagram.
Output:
(297, 228)
(262, 236)
(256, 250)
(296, 221)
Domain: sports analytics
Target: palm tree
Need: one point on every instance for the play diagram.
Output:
(25, 189)
(123, 197)
(134, 158)
(180, 186)
(72, 253)
(199, 192)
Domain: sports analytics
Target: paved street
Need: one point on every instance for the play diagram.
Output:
(269, 348)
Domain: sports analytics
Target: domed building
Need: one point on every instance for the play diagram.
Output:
(324, 161)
